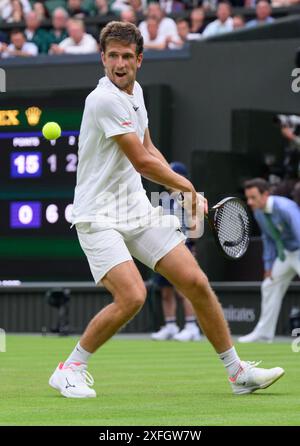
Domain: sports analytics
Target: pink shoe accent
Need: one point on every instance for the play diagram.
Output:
(234, 377)
(67, 366)
(61, 365)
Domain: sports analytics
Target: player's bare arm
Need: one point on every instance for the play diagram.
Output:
(148, 144)
(151, 166)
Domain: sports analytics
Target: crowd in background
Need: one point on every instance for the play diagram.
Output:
(69, 33)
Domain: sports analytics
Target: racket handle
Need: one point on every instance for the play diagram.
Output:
(195, 223)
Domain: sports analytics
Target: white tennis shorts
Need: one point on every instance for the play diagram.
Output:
(106, 248)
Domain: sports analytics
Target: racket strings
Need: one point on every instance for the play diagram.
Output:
(233, 228)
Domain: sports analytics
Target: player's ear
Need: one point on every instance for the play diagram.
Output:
(103, 57)
(139, 60)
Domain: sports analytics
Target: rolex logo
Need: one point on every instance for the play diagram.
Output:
(33, 115)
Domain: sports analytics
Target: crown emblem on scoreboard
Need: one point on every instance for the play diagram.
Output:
(33, 115)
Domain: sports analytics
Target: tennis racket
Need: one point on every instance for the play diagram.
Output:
(230, 223)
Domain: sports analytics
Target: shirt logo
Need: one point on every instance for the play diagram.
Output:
(126, 123)
(135, 108)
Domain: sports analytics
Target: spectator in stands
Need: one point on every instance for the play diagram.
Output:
(197, 21)
(59, 28)
(290, 130)
(3, 37)
(172, 6)
(154, 40)
(263, 14)
(34, 33)
(128, 15)
(223, 23)
(41, 10)
(19, 47)
(138, 5)
(78, 42)
(15, 11)
(75, 9)
(184, 35)
(120, 5)
(101, 7)
(166, 26)
(238, 22)
(3, 4)
(296, 193)
(3, 40)
(3, 48)
(284, 3)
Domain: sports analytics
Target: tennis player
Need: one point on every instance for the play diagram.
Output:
(112, 214)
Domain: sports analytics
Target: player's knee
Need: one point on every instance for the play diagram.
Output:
(133, 298)
(200, 282)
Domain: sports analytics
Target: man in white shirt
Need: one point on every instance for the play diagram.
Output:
(78, 42)
(154, 41)
(166, 28)
(223, 23)
(19, 47)
(115, 221)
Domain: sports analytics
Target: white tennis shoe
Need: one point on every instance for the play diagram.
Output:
(250, 378)
(190, 332)
(73, 381)
(166, 332)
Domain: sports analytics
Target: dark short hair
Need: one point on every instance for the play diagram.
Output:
(16, 31)
(225, 2)
(182, 19)
(261, 184)
(123, 32)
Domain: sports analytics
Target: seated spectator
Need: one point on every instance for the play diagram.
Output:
(128, 15)
(78, 42)
(41, 10)
(34, 33)
(296, 193)
(19, 47)
(3, 48)
(185, 36)
(153, 40)
(119, 5)
(263, 14)
(3, 37)
(171, 6)
(166, 25)
(238, 22)
(75, 9)
(290, 130)
(3, 42)
(209, 5)
(3, 5)
(101, 7)
(59, 28)
(138, 5)
(197, 20)
(222, 24)
(15, 11)
(284, 3)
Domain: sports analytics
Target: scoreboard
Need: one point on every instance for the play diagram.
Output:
(36, 168)
(37, 180)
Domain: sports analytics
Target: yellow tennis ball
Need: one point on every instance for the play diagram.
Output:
(51, 130)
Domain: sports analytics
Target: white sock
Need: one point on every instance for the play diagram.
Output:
(170, 320)
(78, 355)
(231, 361)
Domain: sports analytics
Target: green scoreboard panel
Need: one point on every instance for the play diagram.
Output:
(37, 180)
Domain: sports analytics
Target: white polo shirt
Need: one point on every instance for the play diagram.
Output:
(109, 190)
